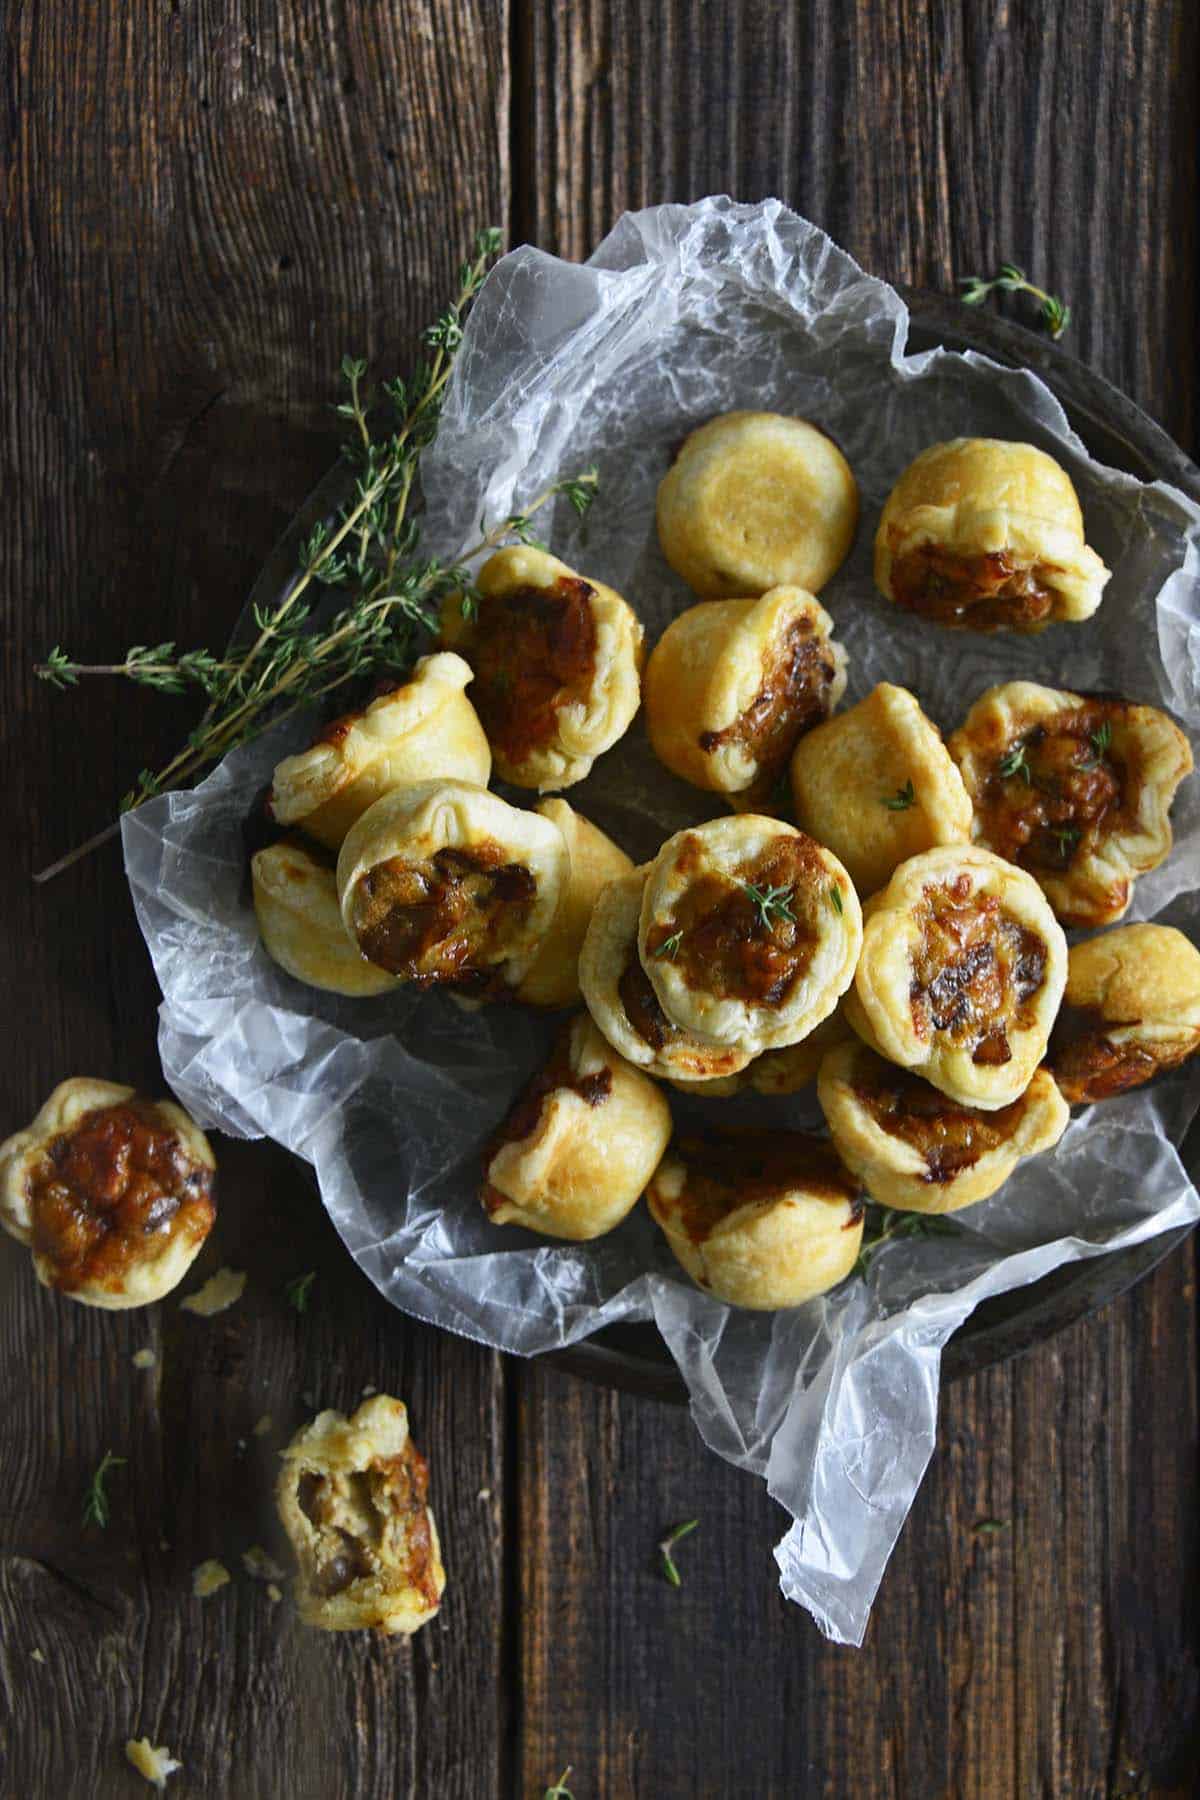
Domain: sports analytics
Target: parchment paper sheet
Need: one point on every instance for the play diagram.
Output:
(684, 312)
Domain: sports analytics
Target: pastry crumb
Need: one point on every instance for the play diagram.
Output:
(274, 1594)
(37, 1656)
(207, 1577)
(219, 1291)
(484, 1494)
(155, 1763)
(263, 1567)
(144, 1359)
(263, 1426)
(368, 1391)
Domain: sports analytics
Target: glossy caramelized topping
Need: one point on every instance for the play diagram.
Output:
(794, 696)
(984, 591)
(949, 1137)
(1053, 787)
(1088, 1066)
(445, 920)
(522, 1121)
(974, 971)
(749, 936)
(533, 652)
(733, 1168)
(641, 1004)
(118, 1185)
(372, 1522)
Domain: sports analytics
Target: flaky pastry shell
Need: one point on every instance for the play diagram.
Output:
(1131, 1011)
(301, 926)
(553, 977)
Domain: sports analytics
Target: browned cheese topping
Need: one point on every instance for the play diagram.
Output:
(984, 592)
(1055, 789)
(1088, 1066)
(948, 1136)
(118, 1185)
(974, 971)
(794, 697)
(533, 652)
(733, 1168)
(445, 920)
(372, 1522)
(522, 1121)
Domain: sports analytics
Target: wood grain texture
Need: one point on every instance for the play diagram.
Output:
(1060, 1654)
(205, 207)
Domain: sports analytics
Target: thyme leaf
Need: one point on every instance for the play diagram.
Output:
(560, 1790)
(771, 902)
(670, 946)
(1015, 763)
(665, 1548)
(885, 1223)
(902, 799)
(95, 1505)
(297, 1291)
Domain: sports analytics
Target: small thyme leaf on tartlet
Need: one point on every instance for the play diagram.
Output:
(835, 899)
(1101, 741)
(1066, 837)
(95, 1505)
(560, 1790)
(1054, 313)
(670, 946)
(673, 1537)
(1015, 763)
(902, 799)
(772, 903)
(298, 1290)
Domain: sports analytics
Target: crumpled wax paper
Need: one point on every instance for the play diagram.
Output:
(684, 312)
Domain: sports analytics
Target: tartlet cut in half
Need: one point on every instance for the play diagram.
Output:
(987, 534)
(1076, 788)
(1131, 1011)
(914, 1148)
(761, 1219)
(962, 970)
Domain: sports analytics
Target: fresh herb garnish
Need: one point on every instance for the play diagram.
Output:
(772, 902)
(1015, 763)
(989, 1527)
(95, 1505)
(297, 1290)
(560, 1790)
(1054, 313)
(902, 799)
(1100, 740)
(670, 946)
(1066, 837)
(835, 899)
(668, 1544)
(369, 550)
(885, 1223)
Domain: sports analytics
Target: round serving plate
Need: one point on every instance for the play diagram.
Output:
(1116, 432)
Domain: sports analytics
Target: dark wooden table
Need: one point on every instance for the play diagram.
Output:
(206, 202)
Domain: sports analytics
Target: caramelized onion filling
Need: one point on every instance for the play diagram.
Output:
(641, 1004)
(949, 1137)
(372, 1522)
(794, 696)
(522, 1120)
(1053, 787)
(733, 1168)
(984, 591)
(1088, 1066)
(974, 972)
(445, 920)
(533, 652)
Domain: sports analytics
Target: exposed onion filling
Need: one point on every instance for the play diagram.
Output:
(974, 972)
(533, 652)
(794, 696)
(949, 1137)
(1088, 1065)
(445, 920)
(372, 1522)
(732, 1168)
(1055, 787)
(522, 1121)
(642, 1008)
(987, 590)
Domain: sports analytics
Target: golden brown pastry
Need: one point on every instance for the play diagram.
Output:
(421, 730)
(556, 659)
(749, 932)
(112, 1193)
(762, 1219)
(1131, 1010)
(1075, 789)
(732, 684)
(352, 1497)
(962, 969)
(753, 501)
(553, 978)
(913, 1147)
(444, 884)
(987, 534)
(877, 785)
(777, 1072)
(300, 923)
(619, 995)
(575, 1153)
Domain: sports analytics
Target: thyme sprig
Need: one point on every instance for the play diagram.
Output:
(885, 1223)
(1054, 313)
(1015, 763)
(1101, 742)
(670, 946)
(95, 1504)
(559, 1789)
(771, 903)
(902, 799)
(673, 1537)
(367, 552)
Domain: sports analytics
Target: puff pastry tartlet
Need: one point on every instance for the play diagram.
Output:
(557, 660)
(915, 1148)
(877, 785)
(762, 1219)
(553, 978)
(1077, 789)
(300, 923)
(575, 1153)
(732, 684)
(446, 884)
(962, 970)
(754, 501)
(352, 1497)
(1131, 1011)
(987, 534)
(426, 728)
(749, 932)
(778, 1072)
(111, 1192)
(621, 998)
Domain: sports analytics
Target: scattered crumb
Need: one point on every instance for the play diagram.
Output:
(256, 1562)
(154, 1764)
(308, 1400)
(368, 1391)
(263, 1426)
(144, 1359)
(37, 1656)
(219, 1291)
(241, 1444)
(484, 1494)
(274, 1594)
(207, 1577)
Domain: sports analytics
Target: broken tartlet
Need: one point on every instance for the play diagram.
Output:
(112, 1193)
(761, 1219)
(913, 1147)
(732, 684)
(1075, 788)
(300, 922)
(445, 884)
(877, 785)
(749, 932)
(422, 729)
(557, 660)
(593, 861)
(574, 1154)
(352, 1496)
(962, 970)
(987, 534)
(1131, 1011)
(754, 501)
